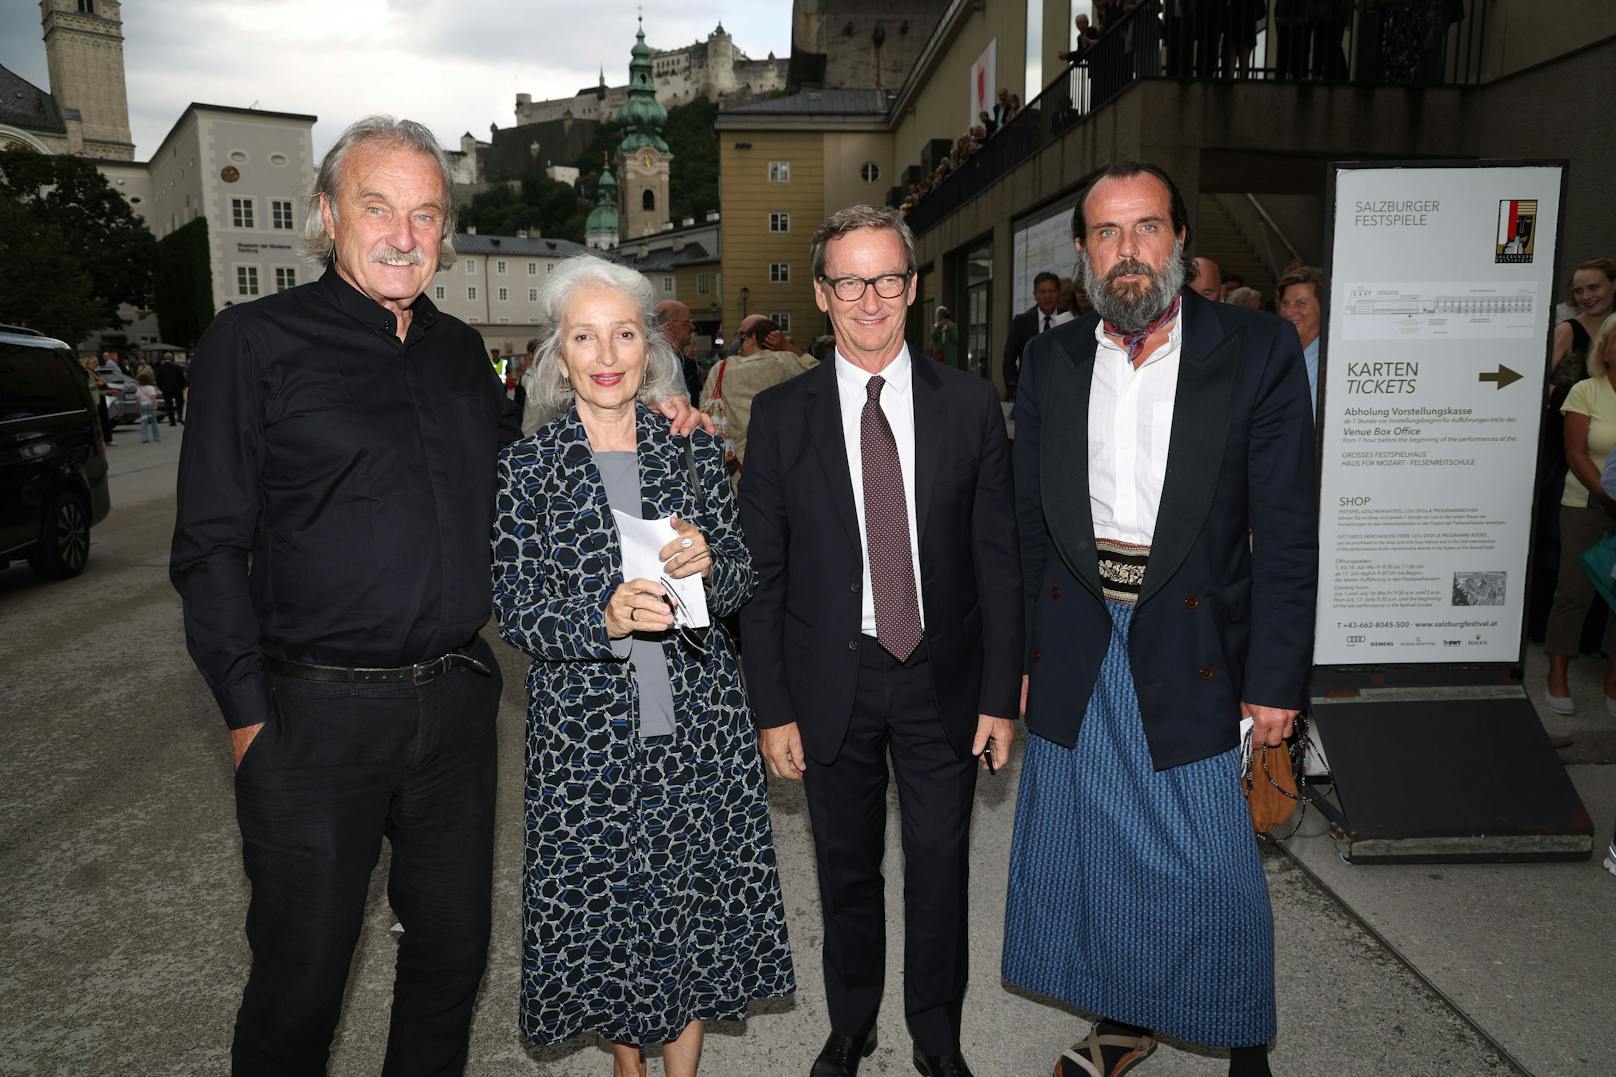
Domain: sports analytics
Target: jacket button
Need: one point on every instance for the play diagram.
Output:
(1191, 601)
(1206, 673)
(1054, 591)
(852, 644)
(1036, 654)
(854, 587)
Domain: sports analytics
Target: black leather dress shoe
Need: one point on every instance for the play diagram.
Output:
(841, 1055)
(941, 1065)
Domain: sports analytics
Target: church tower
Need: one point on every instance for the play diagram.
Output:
(600, 230)
(643, 158)
(84, 54)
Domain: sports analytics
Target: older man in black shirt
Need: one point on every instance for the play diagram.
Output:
(336, 492)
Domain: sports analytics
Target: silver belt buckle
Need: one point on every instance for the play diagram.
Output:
(422, 672)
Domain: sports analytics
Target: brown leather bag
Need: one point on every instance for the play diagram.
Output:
(1270, 787)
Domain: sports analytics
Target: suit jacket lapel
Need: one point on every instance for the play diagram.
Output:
(825, 429)
(929, 418)
(1209, 368)
(664, 486)
(1063, 462)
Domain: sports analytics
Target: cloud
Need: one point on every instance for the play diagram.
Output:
(455, 65)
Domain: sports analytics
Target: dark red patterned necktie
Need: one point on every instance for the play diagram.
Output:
(1135, 342)
(886, 531)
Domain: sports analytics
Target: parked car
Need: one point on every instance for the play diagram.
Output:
(122, 404)
(53, 464)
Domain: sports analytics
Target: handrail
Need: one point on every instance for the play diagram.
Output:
(1269, 221)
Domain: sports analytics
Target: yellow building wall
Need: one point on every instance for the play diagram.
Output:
(704, 306)
(748, 197)
(845, 157)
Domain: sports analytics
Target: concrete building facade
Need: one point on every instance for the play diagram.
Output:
(84, 54)
(494, 285)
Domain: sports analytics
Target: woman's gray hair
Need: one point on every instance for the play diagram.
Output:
(404, 134)
(546, 397)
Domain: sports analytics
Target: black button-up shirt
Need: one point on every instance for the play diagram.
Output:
(355, 469)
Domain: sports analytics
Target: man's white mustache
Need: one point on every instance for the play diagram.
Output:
(392, 256)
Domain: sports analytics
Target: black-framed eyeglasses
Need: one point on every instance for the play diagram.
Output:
(851, 289)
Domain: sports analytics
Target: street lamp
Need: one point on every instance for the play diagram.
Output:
(746, 297)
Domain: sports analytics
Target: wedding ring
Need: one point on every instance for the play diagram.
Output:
(684, 544)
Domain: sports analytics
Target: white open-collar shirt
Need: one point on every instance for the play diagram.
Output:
(898, 405)
(1130, 426)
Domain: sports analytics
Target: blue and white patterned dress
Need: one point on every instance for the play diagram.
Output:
(651, 896)
(1137, 894)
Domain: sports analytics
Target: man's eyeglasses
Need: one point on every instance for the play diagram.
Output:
(851, 289)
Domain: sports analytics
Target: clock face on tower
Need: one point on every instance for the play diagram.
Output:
(648, 160)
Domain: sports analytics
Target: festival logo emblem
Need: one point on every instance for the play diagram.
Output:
(1517, 230)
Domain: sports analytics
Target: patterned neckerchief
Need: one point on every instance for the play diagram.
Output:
(1135, 342)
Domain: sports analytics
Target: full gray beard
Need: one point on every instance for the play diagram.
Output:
(1132, 312)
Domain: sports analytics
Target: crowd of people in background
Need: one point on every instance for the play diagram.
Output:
(167, 382)
(989, 123)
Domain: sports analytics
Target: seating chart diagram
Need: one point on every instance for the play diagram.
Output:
(1441, 311)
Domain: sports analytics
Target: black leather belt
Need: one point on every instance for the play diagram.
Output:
(419, 673)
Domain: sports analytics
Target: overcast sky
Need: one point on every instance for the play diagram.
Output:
(456, 65)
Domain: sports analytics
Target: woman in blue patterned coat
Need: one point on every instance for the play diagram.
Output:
(651, 897)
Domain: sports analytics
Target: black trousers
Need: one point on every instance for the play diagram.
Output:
(894, 714)
(337, 768)
(176, 406)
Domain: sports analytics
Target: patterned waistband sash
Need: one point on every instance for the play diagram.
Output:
(1122, 569)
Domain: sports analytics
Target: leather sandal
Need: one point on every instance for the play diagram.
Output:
(1071, 1063)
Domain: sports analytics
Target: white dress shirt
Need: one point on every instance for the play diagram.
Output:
(898, 405)
(1130, 426)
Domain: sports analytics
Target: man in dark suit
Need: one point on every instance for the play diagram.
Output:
(878, 507)
(171, 383)
(1167, 513)
(1044, 314)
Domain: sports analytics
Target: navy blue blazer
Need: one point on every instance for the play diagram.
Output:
(801, 629)
(1225, 613)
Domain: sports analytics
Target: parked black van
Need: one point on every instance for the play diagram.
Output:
(53, 465)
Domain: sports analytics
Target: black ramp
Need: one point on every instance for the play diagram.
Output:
(1449, 780)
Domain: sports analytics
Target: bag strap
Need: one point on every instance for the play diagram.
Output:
(718, 386)
(690, 469)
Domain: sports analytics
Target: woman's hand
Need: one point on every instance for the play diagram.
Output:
(638, 606)
(688, 554)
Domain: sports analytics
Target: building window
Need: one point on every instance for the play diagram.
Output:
(782, 319)
(471, 291)
(779, 222)
(285, 277)
(703, 284)
(504, 294)
(499, 267)
(549, 267)
(648, 199)
(532, 295)
(533, 269)
(241, 212)
(471, 268)
(667, 285)
(246, 280)
(280, 214)
(779, 272)
(437, 293)
(869, 172)
(87, 6)
(505, 321)
(779, 171)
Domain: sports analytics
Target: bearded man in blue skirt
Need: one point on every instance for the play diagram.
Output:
(1164, 464)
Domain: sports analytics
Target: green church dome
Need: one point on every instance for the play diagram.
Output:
(642, 116)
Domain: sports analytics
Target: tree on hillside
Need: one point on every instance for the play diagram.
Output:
(63, 205)
(538, 205)
(693, 181)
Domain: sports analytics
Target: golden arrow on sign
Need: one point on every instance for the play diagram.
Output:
(1505, 376)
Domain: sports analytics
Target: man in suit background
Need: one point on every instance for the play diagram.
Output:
(1168, 521)
(877, 503)
(1043, 315)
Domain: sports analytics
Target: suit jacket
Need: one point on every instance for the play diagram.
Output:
(1023, 327)
(1225, 613)
(801, 630)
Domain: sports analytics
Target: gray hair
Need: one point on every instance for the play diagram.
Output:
(546, 397)
(1599, 360)
(385, 130)
(853, 218)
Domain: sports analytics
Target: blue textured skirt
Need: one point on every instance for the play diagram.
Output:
(1137, 894)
